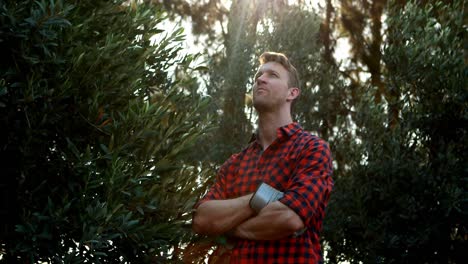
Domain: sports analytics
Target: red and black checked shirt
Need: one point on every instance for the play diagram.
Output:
(300, 165)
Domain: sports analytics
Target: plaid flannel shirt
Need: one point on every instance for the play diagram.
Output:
(296, 163)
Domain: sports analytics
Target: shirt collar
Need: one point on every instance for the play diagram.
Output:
(281, 132)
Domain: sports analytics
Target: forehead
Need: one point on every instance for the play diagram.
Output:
(272, 66)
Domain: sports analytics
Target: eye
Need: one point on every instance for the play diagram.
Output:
(274, 74)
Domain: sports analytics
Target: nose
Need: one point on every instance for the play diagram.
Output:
(260, 79)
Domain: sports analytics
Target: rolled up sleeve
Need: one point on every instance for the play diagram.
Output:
(309, 187)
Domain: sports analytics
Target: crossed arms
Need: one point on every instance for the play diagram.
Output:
(234, 216)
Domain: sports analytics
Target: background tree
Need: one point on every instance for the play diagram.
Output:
(361, 23)
(96, 133)
(404, 198)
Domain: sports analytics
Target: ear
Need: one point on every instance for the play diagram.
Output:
(293, 93)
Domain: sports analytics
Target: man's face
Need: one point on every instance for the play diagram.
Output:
(270, 91)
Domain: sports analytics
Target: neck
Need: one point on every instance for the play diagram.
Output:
(268, 123)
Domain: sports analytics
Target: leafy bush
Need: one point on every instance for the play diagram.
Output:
(96, 132)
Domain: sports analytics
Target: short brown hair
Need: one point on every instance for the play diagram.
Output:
(283, 60)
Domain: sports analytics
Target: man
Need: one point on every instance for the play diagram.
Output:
(271, 197)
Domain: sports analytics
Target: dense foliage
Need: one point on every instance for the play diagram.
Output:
(106, 142)
(403, 200)
(95, 133)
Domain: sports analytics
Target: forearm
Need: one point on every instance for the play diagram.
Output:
(219, 216)
(275, 221)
